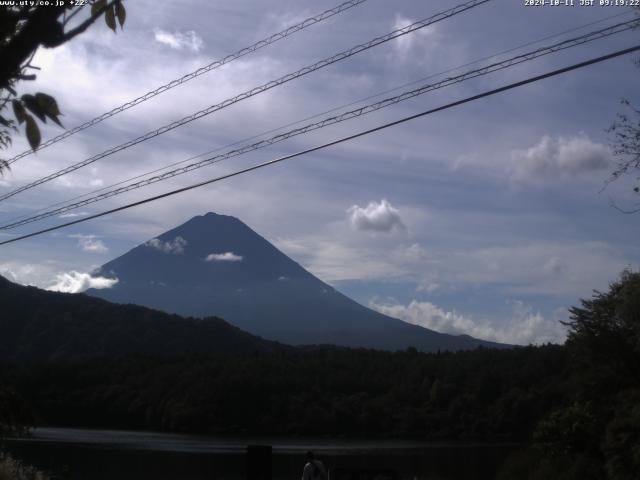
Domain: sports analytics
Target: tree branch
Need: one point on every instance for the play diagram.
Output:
(84, 25)
(73, 14)
(621, 210)
(41, 26)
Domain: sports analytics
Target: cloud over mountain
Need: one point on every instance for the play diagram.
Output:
(525, 327)
(175, 247)
(75, 282)
(224, 257)
(255, 287)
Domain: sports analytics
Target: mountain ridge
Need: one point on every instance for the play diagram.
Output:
(39, 325)
(217, 265)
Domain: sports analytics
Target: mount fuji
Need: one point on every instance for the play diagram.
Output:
(216, 265)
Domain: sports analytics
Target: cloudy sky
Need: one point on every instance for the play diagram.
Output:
(488, 219)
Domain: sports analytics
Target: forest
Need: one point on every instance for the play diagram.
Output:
(37, 325)
(483, 394)
(576, 405)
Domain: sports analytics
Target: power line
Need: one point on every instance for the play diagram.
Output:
(494, 67)
(196, 73)
(316, 115)
(334, 109)
(335, 142)
(250, 93)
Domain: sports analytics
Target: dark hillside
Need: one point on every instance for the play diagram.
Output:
(40, 325)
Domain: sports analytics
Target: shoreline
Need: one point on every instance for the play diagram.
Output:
(193, 443)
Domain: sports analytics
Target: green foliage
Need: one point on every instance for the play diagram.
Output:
(12, 469)
(19, 111)
(42, 106)
(15, 416)
(23, 29)
(532, 464)
(69, 356)
(41, 325)
(110, 18)
(578, 405)
(626, 143)
(621, 446)
(33, 132)
(121, 14)
(596, 434)
(568, 431)
(625, 140)
(112, 10)
(604, 336)
(324, 391)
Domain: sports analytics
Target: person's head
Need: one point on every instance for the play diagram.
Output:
(310, 455)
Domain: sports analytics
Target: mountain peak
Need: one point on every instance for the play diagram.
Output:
(218, 217)
(207, 220)
(214, 214)
(208, 252)
(216, 265)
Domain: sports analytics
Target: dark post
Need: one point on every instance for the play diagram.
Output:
(259, 462)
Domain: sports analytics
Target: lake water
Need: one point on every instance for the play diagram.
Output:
(102, 454)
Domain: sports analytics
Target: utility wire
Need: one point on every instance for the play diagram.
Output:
(202, 70)
(494, 67)
(250, 93)
(335, 142)
(297, 122)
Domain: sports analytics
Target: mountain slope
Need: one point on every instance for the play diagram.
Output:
(216, 265)
(40, 325)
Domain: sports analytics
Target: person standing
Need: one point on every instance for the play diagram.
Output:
(314, 469)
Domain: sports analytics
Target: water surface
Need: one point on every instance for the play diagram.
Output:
(80, 454)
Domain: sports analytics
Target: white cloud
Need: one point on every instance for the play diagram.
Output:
(189, 40)
(559, 156)
(557, 269)
(75, 282)
(24, 274)
(90, 243)
(224, 257)
(525, 327)
(376, 216)
(100, 65)
(175, 247)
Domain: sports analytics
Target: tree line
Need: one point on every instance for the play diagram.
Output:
(577, 406)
